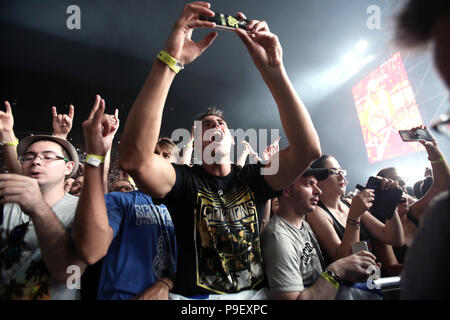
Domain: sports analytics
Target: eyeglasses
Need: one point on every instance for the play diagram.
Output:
(124, 187)
(44, 156)
(335, 172)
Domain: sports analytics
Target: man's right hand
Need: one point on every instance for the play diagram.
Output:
(62, 123)
(354, 268)
(99, 128)
(180, 45)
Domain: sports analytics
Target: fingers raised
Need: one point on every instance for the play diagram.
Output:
(100, 110)
(241, 15)
(95, 106)
(54, 112)
(8, 107)
(71, 111)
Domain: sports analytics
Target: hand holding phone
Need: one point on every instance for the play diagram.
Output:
(226, 22)
(359, 246)
(416, 134)
(386, 200)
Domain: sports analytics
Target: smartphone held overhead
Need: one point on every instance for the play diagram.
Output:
(226, 22)
(415, 135)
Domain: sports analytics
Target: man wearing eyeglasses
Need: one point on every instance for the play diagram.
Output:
(121, 185)
(36, 247)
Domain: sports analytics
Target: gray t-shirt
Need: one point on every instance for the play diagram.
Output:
(292, 257)
(23, 274)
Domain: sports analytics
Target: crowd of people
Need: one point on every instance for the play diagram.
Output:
(167, 228)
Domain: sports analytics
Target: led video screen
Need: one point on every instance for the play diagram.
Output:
(385, 103)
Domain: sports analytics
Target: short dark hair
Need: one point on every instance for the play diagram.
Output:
(118, 180)
(212, 111)
(320, 163)
(167, 144)
(415, 22)
(387, 172)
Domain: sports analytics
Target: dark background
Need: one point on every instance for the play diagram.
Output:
(43, 63)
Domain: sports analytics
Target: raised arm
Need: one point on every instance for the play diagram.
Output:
(441, 178)
(62, 123)
(114, 119)
(304, 146)
(248, 151)
(92, 232)
(9, 140)
(151, 173)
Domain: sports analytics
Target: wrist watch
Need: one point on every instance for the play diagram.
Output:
(94, 160)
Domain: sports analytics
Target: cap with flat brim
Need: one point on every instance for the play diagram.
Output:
(68, 147)
(319, 173)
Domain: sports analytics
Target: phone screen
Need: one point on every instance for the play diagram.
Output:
(416, 135)
(226, 21)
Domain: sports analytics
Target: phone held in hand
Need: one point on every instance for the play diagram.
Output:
(226, 22)
(385, 201)
(415, 135)
(359, 246)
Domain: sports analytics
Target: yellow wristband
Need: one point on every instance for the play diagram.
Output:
(94, 160)
(441, 159)
(331, 278)
(171, 62)
(12, 144)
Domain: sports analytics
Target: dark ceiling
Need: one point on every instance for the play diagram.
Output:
(43, 63)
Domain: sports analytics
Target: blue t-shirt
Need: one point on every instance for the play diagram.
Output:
(143, 248)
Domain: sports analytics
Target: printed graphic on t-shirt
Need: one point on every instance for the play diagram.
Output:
(23, 274)
(151, 214)
(146, 214)
(228, 244)
(308, 252)
(162, 260)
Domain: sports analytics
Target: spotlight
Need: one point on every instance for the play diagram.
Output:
(362, 46)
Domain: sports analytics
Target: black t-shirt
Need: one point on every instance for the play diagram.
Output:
(217, 221)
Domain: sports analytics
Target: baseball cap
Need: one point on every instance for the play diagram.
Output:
(68, 147)
(319, 173)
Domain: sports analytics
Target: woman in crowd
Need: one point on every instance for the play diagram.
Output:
(338, 224)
